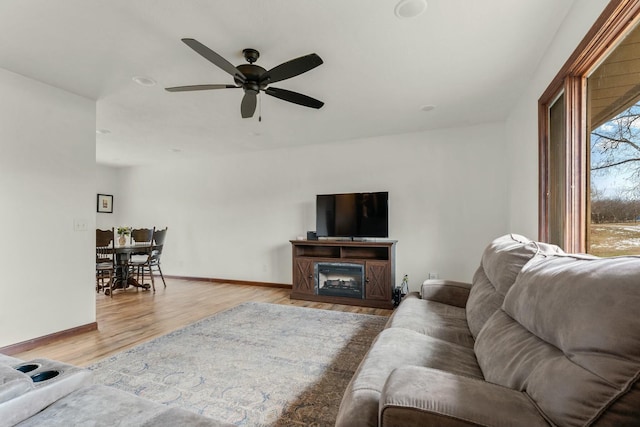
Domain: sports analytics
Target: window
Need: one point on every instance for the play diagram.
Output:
(613, 120)
(589, 125)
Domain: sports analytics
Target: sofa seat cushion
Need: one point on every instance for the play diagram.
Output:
(434, 319)
(394, 348)
(99, 405)
(568, 335)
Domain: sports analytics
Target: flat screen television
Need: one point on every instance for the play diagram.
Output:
(358, 215)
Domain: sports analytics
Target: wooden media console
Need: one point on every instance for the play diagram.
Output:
(363, 272)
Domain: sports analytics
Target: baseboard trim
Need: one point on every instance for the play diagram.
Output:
(47, 339)
(232, 282)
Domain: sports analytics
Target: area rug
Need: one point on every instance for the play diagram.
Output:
(256, 364)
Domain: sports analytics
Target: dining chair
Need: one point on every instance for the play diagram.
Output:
(153, 260)
(141, 235)
(140, 259)
(105, 261)
(156, 252)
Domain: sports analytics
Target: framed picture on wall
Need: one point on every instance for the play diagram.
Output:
(105, 203)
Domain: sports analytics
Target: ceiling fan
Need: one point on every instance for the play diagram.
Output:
(253, 78)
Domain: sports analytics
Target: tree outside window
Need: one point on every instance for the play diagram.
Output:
(615, 185)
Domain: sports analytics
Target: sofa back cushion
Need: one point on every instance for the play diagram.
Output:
(501, 262)
(568, 334)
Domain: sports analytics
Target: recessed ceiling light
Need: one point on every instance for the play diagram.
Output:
(102, 131)
(144, 81)
(410, 8)
(427, 107)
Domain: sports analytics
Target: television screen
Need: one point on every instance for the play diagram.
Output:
(352, 215)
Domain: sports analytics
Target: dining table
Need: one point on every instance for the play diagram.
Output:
(123, 279)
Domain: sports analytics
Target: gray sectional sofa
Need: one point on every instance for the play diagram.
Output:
(538, 338)
(45, 392)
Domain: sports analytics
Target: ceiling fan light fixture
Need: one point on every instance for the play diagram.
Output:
(410, 8)
(144, 81)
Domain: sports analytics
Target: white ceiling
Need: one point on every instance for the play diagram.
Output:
(470, 58)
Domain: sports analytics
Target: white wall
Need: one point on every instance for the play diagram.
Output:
(47, 181)
(109, 181)
(522, 124)
(233, 217)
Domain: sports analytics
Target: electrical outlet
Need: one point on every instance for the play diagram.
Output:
(433, 276)
(80, 224)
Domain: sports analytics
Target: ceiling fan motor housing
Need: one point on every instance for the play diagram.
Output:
(252, 73)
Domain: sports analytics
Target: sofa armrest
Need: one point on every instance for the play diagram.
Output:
(44, 390)
(415, 396)
(446, 291)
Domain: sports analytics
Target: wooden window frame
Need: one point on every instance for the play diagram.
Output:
(618, 17)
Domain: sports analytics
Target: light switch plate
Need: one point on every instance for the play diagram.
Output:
(80, 224)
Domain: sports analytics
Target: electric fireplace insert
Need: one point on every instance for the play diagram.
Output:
(339, 279)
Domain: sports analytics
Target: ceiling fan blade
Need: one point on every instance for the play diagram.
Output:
(291, 68)
(295, 97)
(248, 106)
(199, 87)
(214, 58)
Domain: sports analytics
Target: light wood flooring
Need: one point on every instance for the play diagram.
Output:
(132, 317)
